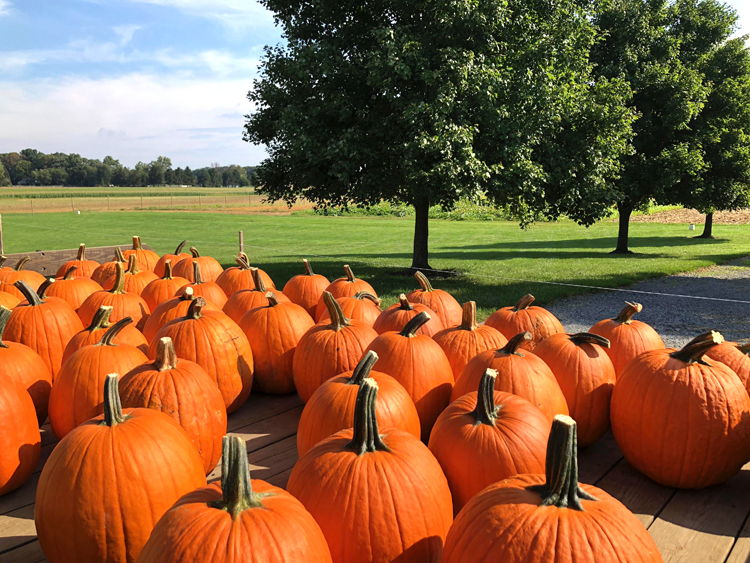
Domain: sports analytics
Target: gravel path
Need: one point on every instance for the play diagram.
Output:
(676, 319)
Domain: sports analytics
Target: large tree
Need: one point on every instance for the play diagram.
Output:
(429, 101)
(4, 178)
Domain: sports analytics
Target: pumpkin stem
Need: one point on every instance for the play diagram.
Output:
(486, 411)
(4, 316)
(69, 273)
(119, 287)
(469, 316)
(411, 328)
(197, 273)
(242, 262)
(113, 414)
(3, 260)
(101, 318)
(349, 274)
(137, 243)
(363, 369)
(694, 350)
(237, 492)
(166, 356)
(744, 348)
(81, 252)
(626, 315)
(194, 252)
(308, 267)
(588, 338)
(42, 291)
(515, 343)
(523, 303)
(338, 318)
(259, 285)
(272, 299)
(562, 489)
(423, 282)
(132, 265)
(178, 250)
(188, 294)
(404, 303)
(194, 311)
(31, 296)
(168, 270)
(366, 437)
(367, 295)
(113, 331)
(119, 256)
(21, 263)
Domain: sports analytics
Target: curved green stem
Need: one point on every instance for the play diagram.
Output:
(366, 437)
(424, 283)
(349, 274)
(404, 304)
(369, 296)
(69, 273)
(237, 493)
(588, 338)
(486, 411)
(42, 290)
(516, 342)
(31, 296)
(108, 337)
(194, 252)
(242, 261)
(4, 317)
(81, 252)
(308, 267)
(258, 280)
(523, 303)
(414, 324)
(113, 414)
(338, 318)
(198, 277)
(272, 299)
(132, 265)
(363, 369)
(195, 309)
(101, 318)
(119, 256)
(178, 250)
(21, 263)
(694, 350)
(744, 348)
(119, 286)
(626, 315)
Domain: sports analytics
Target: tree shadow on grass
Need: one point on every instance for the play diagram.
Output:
(604, 243)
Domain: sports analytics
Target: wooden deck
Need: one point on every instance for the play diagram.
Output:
(688, 526)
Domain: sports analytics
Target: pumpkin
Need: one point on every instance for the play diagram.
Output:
(84, 268)
(240, 520)
(183, 390)
(170, 310)
(135, 280)
(107, 269)
(240, 277)
(343, 287)
(463, 342)
(19, 435)
(523, 317)
(306, 289)
(327, 350)
(210, 267)
(627, 337)
(72, 289)
(177, 256)
(21, 364)
(441, 302)
(735, 356)
(8, 300)
(209, 290)
(395, 317)
(549, 518)
(419, 364)
(376, 496)
(166, 287)
(147, 259)
(586, 377)
(331, 407)
(123, 304)
(9, 278)
(362, 306)
(108, 482)
(682, 420)
(3, 260)
(247, 299)
(45, 325)
(93, 333)
(77, 390)
(519, 372)
(215, 342)
(274, 332)
(487, 436)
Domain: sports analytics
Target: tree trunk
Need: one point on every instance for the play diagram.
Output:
(420, 256)
(708, 228)
(622, 233)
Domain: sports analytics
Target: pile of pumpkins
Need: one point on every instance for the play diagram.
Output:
(425, 436)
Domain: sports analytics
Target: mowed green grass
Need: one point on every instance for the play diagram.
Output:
(492, 258)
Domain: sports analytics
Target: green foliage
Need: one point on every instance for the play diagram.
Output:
(463, 210)
(4, 178)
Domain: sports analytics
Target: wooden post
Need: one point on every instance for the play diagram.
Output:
(32, 205)
(141, 202)
(108, 203)
(199, 200)
(242, 242)
(71, 204)
(2, 247)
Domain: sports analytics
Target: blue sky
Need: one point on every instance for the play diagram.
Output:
(137, 79)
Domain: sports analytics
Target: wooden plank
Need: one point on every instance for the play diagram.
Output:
(17, 528)
(595, 461)
(281, 479)
(23, 496)
(259, 407)
(270, 430)
(741, 549)
(47, 262)
(29, 553)
(259, 458)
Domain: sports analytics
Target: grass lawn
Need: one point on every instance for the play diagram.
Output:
(486, 253)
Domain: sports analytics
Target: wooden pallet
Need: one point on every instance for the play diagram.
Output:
(704, 526)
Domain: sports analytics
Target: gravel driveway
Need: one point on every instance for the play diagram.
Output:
(676, 319)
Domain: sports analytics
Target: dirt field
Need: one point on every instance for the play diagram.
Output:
(741, 217)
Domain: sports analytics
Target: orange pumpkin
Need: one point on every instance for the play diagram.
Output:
(93, 333)
(135, 280)
(395, 317)
(419, 364)
(331, 407)
(468, 339)
(123, 304)
(682, 420)
(159, 290)
(170, 310)
(84, 268)
(215, 342)
(361, 306)
(241, 520)
(240, 277)
(549, 518)
(442, 302)
(21, 364)
(519, 372)
(207, 289)
(183, 390)
(177, 256)
(487, 436)
(210, 267)
(108, 269)
(72, 289)
(735, 356)
(523, 317)
(343, 287)
(327, 350)
(78, 389)
(586, 377)
(108, 482)
(9, 278)
(147, 259)
(8, 300)
(19, 435)
(248, 299)
(306, 289)
(376, 496)
(627, 337)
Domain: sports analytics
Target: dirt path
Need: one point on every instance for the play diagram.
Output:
(687, 216)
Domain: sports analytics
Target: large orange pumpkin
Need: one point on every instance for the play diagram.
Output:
(549, 518)
(170, 310)
(682, 420)
(166, 287)
(520, 372)
(209, 290)
(395, 317)
(175, 257)
(210, 267)
(8, 300)
(331, 407)
(487, 436)
(83, 268)
(523, 317)
(108, 482)
(20, 440)
(147, 259)
(108, 269)
(123, 304)
(93, 333)
(241, 520)
(735, 356)
(21, 364)
(306, 289)
(72, 289)
(215, 342)
(9, 278)
(327, 350)
(419, 364)
(78, 389)
(274, 332)
(183, 390)
(248, 299)
(241, 277)
(376, 496)
(135, 280)
(443, 303)
(343, 287)
(586, 377)
(463, 342)
(362, 306)
(627, 337)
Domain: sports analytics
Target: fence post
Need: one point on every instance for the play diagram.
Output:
(242, 242)
(141, 202)
(199, 200)
(71, 204)
(108, 203)
(32, 205)
(2, 247)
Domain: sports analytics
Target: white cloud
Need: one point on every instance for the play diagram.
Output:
(125, 33)
(4, 7)
(235, 14)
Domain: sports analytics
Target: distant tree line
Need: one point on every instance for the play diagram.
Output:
(33, 168)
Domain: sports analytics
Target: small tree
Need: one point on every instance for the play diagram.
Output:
(4, 178)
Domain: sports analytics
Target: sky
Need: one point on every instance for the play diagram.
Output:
(137, 79)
